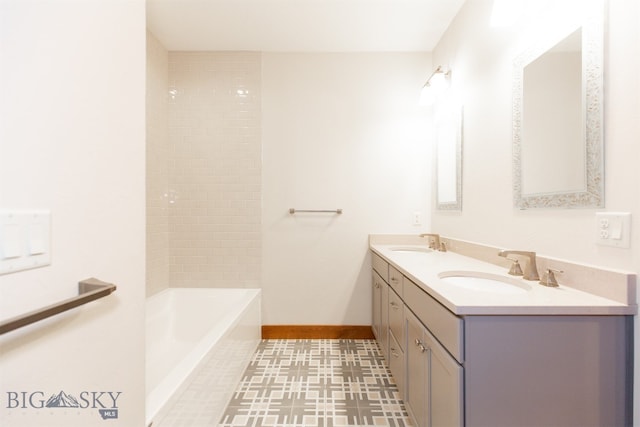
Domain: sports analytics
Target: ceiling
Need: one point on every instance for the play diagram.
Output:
(301, 25)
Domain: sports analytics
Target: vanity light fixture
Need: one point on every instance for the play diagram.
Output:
(437, 83)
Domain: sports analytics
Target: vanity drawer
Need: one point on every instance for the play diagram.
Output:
(443, 324)
(397, 364)
(396, 317)
(395, 280)
(381, 266)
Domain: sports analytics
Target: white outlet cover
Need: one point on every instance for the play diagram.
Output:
(613, 229)
(417, 218)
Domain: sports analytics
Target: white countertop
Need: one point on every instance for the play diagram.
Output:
(423, 269)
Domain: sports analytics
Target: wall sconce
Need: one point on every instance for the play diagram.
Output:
(436, 84)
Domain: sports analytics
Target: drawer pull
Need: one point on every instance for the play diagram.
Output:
(420, 346)
(394, 305)
(394, 352)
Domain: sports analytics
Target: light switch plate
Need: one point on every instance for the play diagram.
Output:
(25, 239)
(11, 237)
(613, 229)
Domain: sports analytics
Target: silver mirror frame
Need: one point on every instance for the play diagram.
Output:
(456, 116)
(593, 113)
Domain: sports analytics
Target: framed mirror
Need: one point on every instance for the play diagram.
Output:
(448, 127)
(558, 150)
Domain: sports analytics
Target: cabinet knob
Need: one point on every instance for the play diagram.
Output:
(420, 345)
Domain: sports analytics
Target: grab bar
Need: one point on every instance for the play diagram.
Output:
(335, 211)
(88, 290)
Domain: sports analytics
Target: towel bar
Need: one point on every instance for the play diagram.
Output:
(335, 211)
(88, 290)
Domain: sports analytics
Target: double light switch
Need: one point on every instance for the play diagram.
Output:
(25, 239)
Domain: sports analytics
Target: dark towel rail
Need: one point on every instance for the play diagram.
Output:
(88, 290)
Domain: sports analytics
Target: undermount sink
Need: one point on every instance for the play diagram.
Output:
(408, 249)
(484, 282)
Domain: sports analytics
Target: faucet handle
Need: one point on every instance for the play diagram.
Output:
(433, 239)
(549, 277)
(515, 269)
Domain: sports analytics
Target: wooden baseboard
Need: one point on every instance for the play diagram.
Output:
(316, 332)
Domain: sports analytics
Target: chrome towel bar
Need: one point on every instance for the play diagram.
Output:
(88, 290)
(335, 211)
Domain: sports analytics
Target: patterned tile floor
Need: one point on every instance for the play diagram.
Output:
(324, 383)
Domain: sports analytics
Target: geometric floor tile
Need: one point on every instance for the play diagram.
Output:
(324, 383)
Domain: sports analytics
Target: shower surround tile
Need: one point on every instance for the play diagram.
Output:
(316, 383)
(215, 169)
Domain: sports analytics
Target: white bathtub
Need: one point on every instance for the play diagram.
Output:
(198, 344)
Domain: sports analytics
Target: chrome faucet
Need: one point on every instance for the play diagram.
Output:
(530, 269)
(434, 242)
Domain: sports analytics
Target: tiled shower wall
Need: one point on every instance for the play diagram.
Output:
(214, 192)
(157, 164)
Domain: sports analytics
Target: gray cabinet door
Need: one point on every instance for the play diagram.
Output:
(380, 312)
(383, 337)
(376, 304)
(416, 381)
(446, 382)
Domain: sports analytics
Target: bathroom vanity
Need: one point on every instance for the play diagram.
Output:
(500, 351)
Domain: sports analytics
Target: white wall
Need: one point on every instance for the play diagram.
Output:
(481, 59)
(327, 131)
(72, 139)
(338, 131)
(157, 164)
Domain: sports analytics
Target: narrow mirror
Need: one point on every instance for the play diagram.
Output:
(449, 160)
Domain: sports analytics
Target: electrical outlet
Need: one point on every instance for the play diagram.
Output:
(613, 229)
(417, 218)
